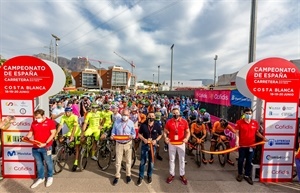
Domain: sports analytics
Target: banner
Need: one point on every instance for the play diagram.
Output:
(219, 97)
(276, 81)
(236, 98)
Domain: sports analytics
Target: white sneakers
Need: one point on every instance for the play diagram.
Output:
(39, 181)
(49, 181)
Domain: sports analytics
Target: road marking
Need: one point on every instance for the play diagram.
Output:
(287, 186)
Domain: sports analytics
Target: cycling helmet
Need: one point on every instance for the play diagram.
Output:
(199, 122)
(192, 108)
(95, 105)
(68, 109)
(224, 122)
(202, 110)
(106, 106)
(158, 106)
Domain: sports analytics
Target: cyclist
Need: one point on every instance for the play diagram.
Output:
(218, 131)
(93, 120)
(135, 118)
(106, 116)
(192, 115)
(71, 122)
(198, 135)
(205, 117)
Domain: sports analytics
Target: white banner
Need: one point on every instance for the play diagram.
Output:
(280, 126)
(18, 153)
(281, 110)
(19, 168)
(276, 172)
(280, 142)
(278, 157)
(17, 107)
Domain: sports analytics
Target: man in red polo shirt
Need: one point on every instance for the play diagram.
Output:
(176, 134)
(43, 130)
(246, 130)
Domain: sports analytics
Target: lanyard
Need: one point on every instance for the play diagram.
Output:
(124, 127)
(150, 130)
(176, 127)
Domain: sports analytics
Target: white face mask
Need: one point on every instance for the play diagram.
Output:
(39, 120)
(125, 118)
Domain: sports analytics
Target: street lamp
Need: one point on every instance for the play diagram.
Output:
(171, 85)
(56, 46)
(215, 71)
(158, 77)
(153, 83)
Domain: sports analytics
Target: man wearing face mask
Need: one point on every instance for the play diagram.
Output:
(43, 130)
(123, 126)
(149, 132)
(56, 115)
(176, 134)
(246, 130)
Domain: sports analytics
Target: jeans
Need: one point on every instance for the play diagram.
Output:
(297, 161)
(244, 152)
(40, 155)
(146, 153)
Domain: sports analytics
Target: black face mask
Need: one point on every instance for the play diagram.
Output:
(150, 119)
(176, 116)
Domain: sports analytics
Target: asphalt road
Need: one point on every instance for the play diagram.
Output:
(207, 179)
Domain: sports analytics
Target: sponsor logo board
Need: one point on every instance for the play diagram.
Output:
(21, 123)
(17, 107)
(276, 172)
(278, 157)
(18, 153)
(14, 138)
(280, 142)
(281, 110)
(19, 168)
(280, 126)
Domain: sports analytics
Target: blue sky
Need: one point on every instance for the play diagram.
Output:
(143, 31)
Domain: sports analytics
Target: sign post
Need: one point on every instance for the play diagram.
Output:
(276, 81)
(22, 79)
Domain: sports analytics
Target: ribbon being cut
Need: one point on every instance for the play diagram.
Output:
(151, 149)
(121, 137)
(232, 149)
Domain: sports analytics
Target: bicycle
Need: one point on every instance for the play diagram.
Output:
(221, 146)
(198, 155)
(104, 154)
(65, 150)
(85, 152)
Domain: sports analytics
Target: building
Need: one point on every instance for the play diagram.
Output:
(113, 78)
(87, 78)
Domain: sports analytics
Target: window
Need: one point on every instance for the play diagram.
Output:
(119, 78)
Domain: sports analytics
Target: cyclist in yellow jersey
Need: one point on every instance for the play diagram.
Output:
(71, 121)
(93, 119)
(106, 118)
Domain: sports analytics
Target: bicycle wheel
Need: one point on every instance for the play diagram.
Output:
(222, 157)
(83, 159)
(104, 158)
(61, 159)
(133, 159)
(198, 155)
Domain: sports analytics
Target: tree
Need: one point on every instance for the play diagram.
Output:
(68, 77)
(2, 61)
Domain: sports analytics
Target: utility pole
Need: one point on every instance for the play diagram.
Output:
(158, 77)
(171, 82)
(56, 46)
(215, 70)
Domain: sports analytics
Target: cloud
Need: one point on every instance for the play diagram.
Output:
(143, 32)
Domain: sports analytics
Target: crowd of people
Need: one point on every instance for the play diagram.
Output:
(149, 121)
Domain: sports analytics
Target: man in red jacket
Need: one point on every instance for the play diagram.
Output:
(43, 130)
